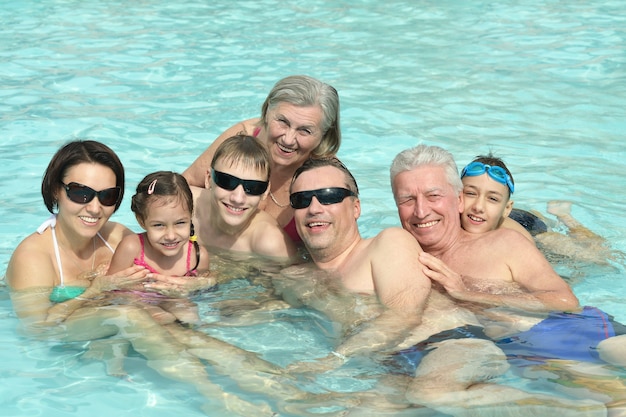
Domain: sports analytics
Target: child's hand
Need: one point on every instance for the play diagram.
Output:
(126, 278)
(177, 286)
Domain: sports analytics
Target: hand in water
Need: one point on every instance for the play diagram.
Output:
(327, 363)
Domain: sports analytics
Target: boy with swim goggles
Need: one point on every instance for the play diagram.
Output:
(497, 173)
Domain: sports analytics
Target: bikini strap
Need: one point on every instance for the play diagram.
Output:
(51, 222)
(57, 254)
(256, 131)
(107, 243)
(141, 256)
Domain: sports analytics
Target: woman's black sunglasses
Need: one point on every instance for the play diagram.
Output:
(326, 196)
(230, 182)
(81, 194)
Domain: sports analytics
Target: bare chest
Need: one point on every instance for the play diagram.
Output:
(479, 261)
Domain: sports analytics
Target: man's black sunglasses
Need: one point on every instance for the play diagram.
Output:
(230, 182)
(81, 194)
(326, 196)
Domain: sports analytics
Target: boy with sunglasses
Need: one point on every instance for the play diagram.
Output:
(227, 215)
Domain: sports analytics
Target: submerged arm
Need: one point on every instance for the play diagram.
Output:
(401, 288)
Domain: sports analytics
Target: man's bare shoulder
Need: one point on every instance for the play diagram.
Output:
(393, 243)
(394, 234)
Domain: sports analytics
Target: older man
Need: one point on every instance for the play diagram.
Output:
(427, 189)
(376, 290)
(500, 268)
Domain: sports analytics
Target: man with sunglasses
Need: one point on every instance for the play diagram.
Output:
(376, 292)
(376, 284)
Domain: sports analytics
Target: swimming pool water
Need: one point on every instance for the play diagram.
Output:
(540, 83)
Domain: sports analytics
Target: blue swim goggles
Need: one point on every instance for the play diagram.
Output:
(497, 173)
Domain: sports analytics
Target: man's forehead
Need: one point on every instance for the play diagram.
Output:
(427, 178)
(326, 176)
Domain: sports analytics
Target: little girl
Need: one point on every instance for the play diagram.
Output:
(163, 206)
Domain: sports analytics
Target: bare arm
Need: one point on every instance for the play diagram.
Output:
(532, 271)
(125, 253)
(401, 287)
(31, 297)
(509, 223)
(542, 289)
(126, 278)
(31, 275)
(179, 287)
(196, 172)
(270, 241)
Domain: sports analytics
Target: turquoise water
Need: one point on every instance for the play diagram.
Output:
(540, 83)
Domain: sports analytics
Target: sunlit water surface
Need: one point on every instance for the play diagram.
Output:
(540, 83)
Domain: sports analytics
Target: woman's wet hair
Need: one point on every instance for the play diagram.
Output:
(75, 153)
(302, 91)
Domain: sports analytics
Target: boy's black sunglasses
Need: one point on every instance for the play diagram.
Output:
(326, 196)
(230, 182)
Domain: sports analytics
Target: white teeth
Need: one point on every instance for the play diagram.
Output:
(474, 218)
(429, 224)
(285, 149)
(315, 224)
(233, 208)
(89, 219)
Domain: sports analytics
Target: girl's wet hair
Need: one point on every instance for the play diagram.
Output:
(157, 185)
(243, 150)
(75, 153)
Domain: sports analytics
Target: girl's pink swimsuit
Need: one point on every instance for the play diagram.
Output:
(141, 261)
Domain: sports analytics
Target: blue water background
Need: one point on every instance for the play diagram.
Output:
(540, 83)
